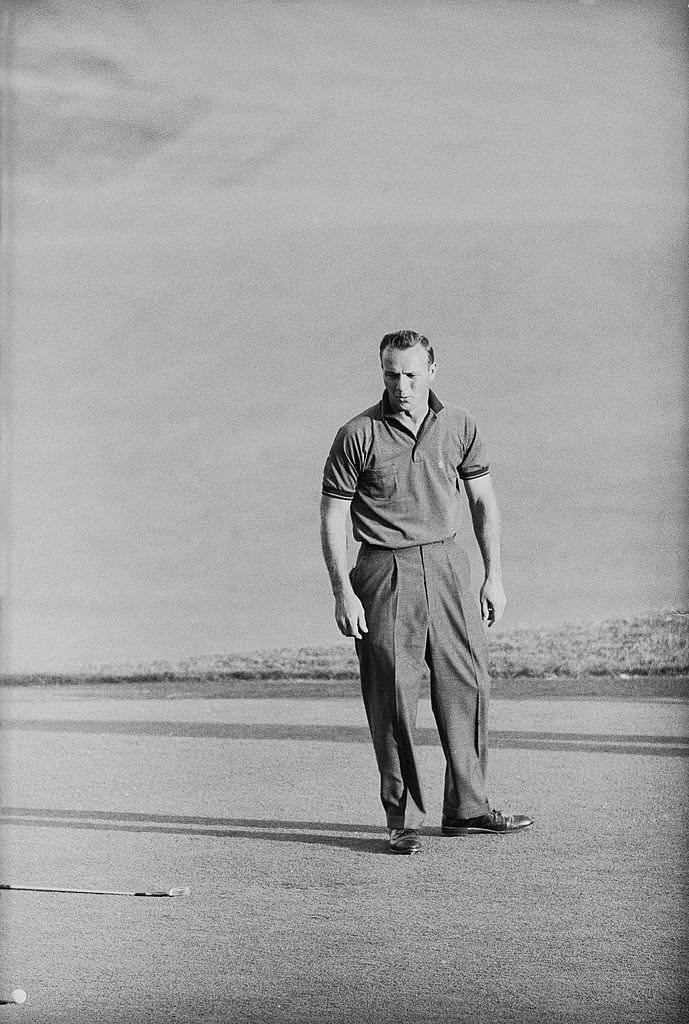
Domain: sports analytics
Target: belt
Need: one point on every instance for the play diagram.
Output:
(407, 547)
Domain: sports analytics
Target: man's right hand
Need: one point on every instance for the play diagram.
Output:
(350, 615)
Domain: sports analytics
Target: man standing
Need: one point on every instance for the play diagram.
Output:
(396, 467)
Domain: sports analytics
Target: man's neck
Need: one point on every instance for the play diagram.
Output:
(412, 421)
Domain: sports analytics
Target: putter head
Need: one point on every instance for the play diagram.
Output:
(180, 890)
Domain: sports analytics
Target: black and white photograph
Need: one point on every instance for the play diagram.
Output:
(344, 463)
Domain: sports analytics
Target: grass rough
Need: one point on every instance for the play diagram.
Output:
(656, 644)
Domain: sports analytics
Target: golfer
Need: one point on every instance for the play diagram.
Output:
(396, 468)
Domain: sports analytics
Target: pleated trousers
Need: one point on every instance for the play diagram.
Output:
(422, 618)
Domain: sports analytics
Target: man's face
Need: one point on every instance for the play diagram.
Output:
(407, 375)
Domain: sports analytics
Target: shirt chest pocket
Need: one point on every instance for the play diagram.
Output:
(379, 483)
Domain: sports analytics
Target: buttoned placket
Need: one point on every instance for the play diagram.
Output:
(423, 430)
(430, 417)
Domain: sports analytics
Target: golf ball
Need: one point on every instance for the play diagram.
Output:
(18, 995)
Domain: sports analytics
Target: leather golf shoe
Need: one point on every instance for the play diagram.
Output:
(404, 840)
(495, 823)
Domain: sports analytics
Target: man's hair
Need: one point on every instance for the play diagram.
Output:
(407, 339)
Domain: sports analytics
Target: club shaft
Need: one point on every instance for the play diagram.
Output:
(179, 891)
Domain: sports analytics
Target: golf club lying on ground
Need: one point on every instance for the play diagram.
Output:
(181, 890)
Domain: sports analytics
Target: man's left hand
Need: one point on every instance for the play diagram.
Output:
(493, 600)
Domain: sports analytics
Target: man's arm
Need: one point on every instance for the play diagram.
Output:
(485, 517)
(349, 612)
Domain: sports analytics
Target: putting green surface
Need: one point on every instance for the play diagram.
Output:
(268, 810)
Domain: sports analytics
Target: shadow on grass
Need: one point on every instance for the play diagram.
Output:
(347, 835)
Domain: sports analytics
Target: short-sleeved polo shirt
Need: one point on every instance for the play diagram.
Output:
(404, 488)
